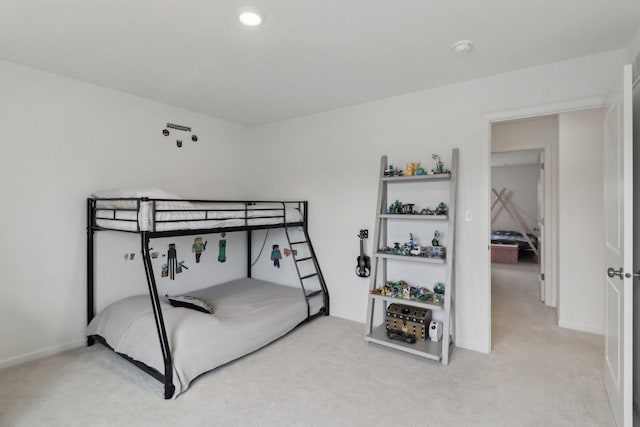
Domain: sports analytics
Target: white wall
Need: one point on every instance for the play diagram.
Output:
(634, 47)
(581, 221)
(522, 182)
(61, 140)
(333, 158)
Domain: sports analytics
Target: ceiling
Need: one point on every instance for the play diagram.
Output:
(308, 56)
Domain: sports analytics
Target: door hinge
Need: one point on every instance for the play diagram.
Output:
(542, 276)
(542, 166)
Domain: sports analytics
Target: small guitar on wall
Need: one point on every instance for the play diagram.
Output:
(363, 269)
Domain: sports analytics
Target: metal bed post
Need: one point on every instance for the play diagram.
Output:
(90, 260)
(249, 253)
(169, 388)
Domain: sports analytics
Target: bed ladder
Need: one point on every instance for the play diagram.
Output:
(310, 272)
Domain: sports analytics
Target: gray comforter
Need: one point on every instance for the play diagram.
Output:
(249, 314)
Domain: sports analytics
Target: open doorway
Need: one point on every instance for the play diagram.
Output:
(569, 229)
(524, 198)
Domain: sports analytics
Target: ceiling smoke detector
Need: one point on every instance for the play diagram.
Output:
(462, 48)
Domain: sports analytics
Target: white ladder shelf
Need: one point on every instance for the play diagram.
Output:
(435, 350)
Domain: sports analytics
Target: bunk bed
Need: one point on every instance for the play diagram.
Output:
(177, 344)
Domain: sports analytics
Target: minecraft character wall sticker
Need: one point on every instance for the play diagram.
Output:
(180, 266)
(222, 248)
(172, 260)
(276, 255)
(165, 270)
(198, 247)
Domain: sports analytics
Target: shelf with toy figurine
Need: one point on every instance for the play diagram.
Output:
(408, 210)
(414, 172)
(411, 251)
(416, 258)
(406, 294)
(426, 177)
(429, 349)
(415, 216)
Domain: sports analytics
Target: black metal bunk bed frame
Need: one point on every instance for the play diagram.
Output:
(147, 235)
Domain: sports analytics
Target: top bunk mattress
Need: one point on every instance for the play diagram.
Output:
(157, 211)
(248, 314)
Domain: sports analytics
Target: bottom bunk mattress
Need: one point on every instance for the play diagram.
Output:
(248, 314)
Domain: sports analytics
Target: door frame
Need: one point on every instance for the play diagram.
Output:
(485, 188)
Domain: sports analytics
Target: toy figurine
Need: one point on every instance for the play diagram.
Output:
(442, 209)
(435, 241)
(411, 243)
(420, 171)
(412, 168)
(397, 208)
(276, 256)
(438, 169)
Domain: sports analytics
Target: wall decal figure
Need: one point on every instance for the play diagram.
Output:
(276, 255)
(198, 247)
(222, 249)
(172, 260)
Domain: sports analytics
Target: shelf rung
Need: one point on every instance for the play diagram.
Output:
(314, 293)
(308, 275)
(303, 259)
(300, 242)
(413, 303)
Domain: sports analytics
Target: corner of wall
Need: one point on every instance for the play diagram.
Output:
(634, 46)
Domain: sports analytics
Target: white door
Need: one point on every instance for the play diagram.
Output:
(540, 226)
(618, 190)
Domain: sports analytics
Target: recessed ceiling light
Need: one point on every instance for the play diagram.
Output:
(462, 47)
(251, 18)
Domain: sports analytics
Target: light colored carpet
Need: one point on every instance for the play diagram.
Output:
(324, 374)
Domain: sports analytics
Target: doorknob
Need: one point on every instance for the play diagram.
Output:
(630, 275)
(611, 272)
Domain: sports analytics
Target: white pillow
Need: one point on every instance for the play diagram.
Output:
(151, 192)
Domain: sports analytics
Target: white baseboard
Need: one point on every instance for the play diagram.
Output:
(41, 353)
(474, 346)
(580, 327)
